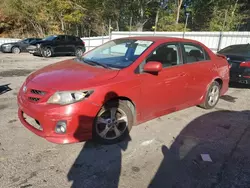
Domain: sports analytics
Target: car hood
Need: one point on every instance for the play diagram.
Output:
(70, 75)
(40, 42)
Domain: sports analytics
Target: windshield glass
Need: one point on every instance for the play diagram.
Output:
(24, 41)
(50, 37)
(119, 53)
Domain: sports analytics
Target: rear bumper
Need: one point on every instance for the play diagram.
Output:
(239, 78)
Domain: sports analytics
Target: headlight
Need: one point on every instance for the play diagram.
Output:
(38, 45)
(68, 97)
(7, 45)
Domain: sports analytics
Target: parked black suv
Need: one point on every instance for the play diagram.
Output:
(19, 46)
(58, 45)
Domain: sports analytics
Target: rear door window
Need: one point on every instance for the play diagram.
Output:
(194, 53)
(71, 38)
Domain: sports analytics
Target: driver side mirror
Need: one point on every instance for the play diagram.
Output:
(152, 67)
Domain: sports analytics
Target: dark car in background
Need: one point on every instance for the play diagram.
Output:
(58, 45)
(238, 56)
(19, 46)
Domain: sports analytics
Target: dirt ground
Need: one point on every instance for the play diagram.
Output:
(164, 152)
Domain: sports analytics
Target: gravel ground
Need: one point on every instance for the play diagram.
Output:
(164, 152)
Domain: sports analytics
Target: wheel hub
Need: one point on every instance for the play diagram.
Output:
(213, 95)
(114, 125)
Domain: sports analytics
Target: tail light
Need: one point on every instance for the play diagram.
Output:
(245, 64)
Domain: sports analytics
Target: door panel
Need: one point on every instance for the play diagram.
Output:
(200, 67)
(60, 44)
(153, 92)
(164, 92)
(71, 44)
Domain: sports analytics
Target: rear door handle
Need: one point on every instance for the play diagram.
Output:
(182, 74)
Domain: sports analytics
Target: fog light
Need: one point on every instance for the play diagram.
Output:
(61, 127)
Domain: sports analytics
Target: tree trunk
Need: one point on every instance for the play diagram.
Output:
(139, 27)
(117, 25)
(37, 28)
(234, 8)
(178, 10)
(62, 22)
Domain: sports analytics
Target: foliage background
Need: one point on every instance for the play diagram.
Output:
(23, 18)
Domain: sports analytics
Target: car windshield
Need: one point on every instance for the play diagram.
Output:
(24, 41)
(52, 37)
(119, 53)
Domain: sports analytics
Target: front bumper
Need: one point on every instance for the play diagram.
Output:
(78, 116)
(33, 50)
(4, 48)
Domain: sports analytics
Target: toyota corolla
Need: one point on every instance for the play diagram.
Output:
(119, 84)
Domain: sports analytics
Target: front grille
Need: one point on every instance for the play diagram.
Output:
(37, 92)
(34, 99)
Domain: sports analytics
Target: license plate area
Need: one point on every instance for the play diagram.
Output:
(243, 81)
(33, 122)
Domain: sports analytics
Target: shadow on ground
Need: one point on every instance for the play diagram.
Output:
(16, 72)
(225, 137)
(229, 98)
(97, 165)
(4, 89)
(57, 55)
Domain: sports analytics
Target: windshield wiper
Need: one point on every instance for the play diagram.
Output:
(96, 63)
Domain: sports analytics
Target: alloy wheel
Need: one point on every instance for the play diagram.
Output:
(111, 123)
(16, 50)
(79, 53)
(213, 95)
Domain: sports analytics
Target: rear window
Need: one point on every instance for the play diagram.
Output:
(236, 49)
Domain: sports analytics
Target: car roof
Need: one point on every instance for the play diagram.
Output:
(159, 38)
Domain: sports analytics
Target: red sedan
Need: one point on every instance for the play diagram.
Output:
(119, 84)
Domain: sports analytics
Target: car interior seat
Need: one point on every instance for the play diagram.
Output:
(196, 54)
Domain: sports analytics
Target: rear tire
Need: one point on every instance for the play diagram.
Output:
(212, 96)
(15, 50)
(79, 52)
(113, 122)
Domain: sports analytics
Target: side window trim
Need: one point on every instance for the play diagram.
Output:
(184, 56)
(139, 70)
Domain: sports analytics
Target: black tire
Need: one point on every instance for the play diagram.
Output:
(79, 52)
(15, 50)
(207, 103)
(119, 105)
(46, 52)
